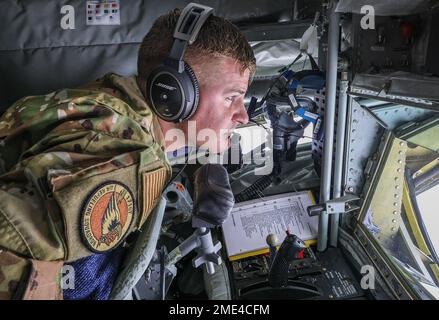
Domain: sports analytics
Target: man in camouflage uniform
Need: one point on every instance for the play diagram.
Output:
(81, 169)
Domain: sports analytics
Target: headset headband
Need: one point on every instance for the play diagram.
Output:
(188, 26)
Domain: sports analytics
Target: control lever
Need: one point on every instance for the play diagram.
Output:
(213, 202)
(201, 241)
(272, 240)
(292, 248)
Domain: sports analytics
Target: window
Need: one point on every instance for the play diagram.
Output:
(400, 211)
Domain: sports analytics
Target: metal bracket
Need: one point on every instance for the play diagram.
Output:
(207, 252)
(344, 204)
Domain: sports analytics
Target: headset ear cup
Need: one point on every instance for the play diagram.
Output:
(184, 88)
(166, 93)
(196, 88)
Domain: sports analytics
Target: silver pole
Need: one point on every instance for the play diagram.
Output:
(339, 149)
(331, 87)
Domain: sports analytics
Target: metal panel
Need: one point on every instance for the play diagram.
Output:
(396, 115)
(382, 215)
(317, 145)
(363, 136)
(365, 131)
(277, 31)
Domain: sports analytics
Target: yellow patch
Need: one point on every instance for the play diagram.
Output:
(106, 216)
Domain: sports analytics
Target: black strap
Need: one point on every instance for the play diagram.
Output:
(314, 65)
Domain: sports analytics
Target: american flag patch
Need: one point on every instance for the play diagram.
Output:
(152, 183)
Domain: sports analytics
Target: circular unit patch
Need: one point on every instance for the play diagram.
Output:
(106, 216)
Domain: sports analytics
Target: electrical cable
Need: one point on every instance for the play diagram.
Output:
(181, 170)
(290, 134)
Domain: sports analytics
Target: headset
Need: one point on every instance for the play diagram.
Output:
(172, 87)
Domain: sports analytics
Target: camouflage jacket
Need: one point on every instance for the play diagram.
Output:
(79, 170)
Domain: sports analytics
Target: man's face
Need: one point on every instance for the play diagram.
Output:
(221, 106)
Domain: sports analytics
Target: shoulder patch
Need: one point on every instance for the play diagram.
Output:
(106, 216)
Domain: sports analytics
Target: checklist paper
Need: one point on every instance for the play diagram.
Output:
(250, 223)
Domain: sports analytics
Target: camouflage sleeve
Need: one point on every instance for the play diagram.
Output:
(79, 171)
(12, 270)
